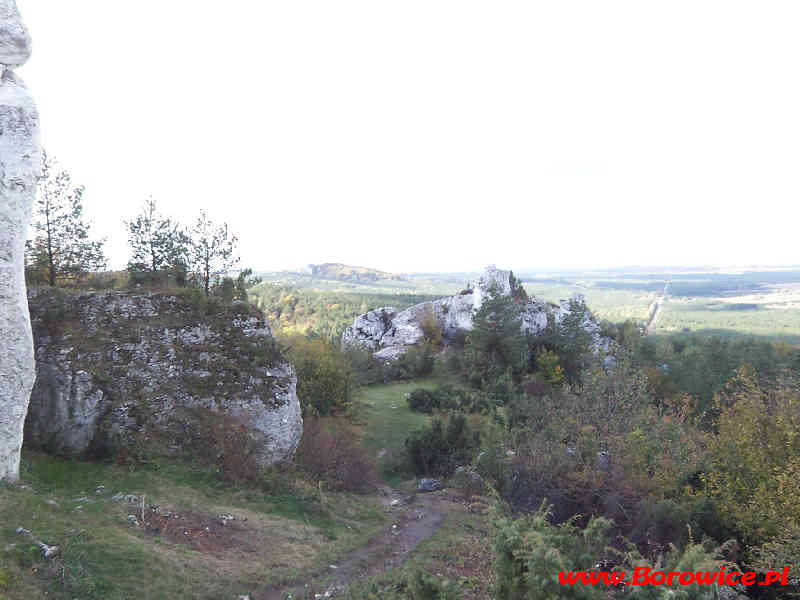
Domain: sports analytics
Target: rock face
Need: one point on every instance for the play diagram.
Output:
(116, 367)
(389, 333)
(20, 164)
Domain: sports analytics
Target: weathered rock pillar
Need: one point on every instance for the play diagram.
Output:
(20, 164)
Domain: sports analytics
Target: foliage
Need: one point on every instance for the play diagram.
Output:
(572, 340)
(61, 249)
(212, 251)
(548, 368)
(226, 442)
(417, 361)
(447, 397)
(431, 329)
(330, 454)
(322, 313)
(158, 248)
(325, 378)
(531, 551)
(495, 343)
(754, 458)
(440, 448)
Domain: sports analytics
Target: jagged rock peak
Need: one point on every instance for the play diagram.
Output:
(15, 41)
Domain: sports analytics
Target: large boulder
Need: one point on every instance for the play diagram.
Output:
(20, 164)
(388, 333)
(113, 367)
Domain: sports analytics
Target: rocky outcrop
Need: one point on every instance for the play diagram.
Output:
(389, 333)
(113, 368)
(20, 164)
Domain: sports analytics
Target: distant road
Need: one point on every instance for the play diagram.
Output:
(655, 310)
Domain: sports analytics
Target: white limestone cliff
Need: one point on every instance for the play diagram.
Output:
(389, 333)
(20, 164)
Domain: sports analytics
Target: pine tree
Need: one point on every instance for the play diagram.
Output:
(157, 244)
(61, 248)
(495, 343)
(213, 251)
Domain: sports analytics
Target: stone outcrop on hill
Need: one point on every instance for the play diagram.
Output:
(20, 164)
(389, 333)
(116, 367)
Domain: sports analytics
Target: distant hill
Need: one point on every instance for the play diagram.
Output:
(342, 272)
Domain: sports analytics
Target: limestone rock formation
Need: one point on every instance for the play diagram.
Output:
(20, 164)
(389, 333)
(113, 368)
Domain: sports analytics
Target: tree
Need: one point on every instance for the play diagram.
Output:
(573, 341)
(495, 343)
(213, 250)
(61, 247)
(157, 243)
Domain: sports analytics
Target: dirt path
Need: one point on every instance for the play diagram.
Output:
(417, 518)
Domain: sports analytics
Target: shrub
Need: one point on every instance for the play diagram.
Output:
(418, 361)
(226, 442)
(422, 400)
(431, 329)
(755, 458)
(331, 454)
(325, 380)
(531, 551)
(438, 449)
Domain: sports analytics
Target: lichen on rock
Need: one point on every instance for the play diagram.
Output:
(113, 365)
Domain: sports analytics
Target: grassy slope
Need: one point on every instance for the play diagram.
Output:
(280, 535)
(287, 534)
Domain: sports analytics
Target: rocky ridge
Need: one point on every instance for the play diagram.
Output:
(112, 367)
(389, 333)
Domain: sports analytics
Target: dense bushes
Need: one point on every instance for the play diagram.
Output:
(448, 398)
(532, 551)
(331, 454)
(440, 448)
(325, 379)
(754, 458)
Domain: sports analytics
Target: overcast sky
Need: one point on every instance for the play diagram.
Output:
(432, 135)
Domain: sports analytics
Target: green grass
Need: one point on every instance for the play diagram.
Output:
(288, 530)
(389, 421)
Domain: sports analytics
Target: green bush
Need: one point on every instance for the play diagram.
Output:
(325, 380)
(422, 400)
(438, 449)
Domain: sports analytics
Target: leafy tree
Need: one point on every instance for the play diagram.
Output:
(495, 343)
(157, 243)
(325, 378)
(61, 247)
(213, 250)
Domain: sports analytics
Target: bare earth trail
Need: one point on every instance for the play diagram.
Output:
(415, 522)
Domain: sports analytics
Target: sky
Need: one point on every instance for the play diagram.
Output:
(433, 135)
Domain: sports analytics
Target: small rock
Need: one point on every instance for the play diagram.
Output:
(132, 519)
(52, 503)
(48, 551)
(23, 531)
(118, 497)
(81, 499)
(429, 485)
